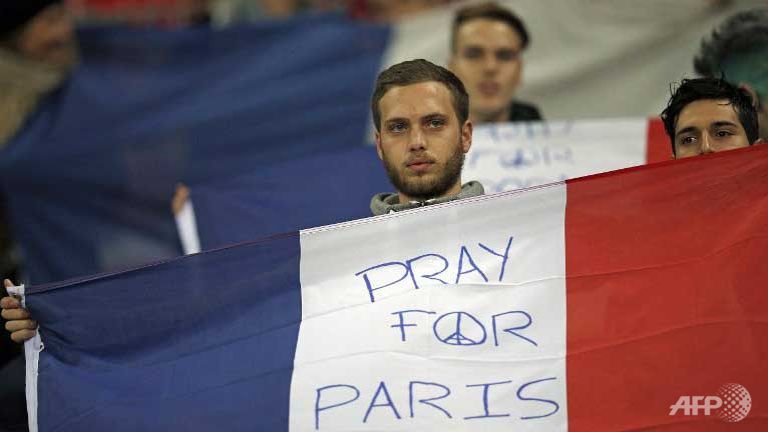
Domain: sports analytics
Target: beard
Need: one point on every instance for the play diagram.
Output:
(423, 187)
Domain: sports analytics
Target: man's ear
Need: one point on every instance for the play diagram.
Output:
(466, 136)
(752, 93)
(378, 145)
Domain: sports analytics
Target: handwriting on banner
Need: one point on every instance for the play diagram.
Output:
(508, 183)
(414, 272)
(519, 167)
(428, 399)
(505, 133)
(482, 332)
(461, 328)
(521, 155)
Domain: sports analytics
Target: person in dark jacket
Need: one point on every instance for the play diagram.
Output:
(487, 45)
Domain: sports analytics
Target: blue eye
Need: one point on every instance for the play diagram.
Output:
(396, 127)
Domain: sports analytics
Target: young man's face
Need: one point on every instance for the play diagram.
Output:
(708, 126)
(487, 59)
(421, 141)
(48, 38)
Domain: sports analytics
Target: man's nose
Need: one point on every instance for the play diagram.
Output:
(418, 140)
(707, 144)
(490, 64)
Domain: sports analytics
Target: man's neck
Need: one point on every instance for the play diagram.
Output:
(453, 191)
(490, 117)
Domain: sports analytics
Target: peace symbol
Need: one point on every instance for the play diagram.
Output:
(459, 328)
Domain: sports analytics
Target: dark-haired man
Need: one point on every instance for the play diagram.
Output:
(707, 115)
(423, 131)
(487, 44)
(738, 51)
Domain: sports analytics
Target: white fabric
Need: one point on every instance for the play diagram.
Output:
(32, 348)
(508, 156)
(589, 58)
(186, 226)
(351, 334)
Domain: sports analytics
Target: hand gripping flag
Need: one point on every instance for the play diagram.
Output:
(626, 301)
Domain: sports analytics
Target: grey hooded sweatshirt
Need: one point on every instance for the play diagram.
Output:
(384, 203)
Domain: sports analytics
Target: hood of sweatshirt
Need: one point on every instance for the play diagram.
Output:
(384, 203)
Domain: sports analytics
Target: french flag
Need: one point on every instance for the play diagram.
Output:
(626, 301)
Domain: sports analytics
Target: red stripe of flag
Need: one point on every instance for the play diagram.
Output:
(667, 292)
(658, 148)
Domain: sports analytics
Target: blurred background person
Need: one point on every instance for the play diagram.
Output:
(738, 50)
(37, 51)
(487, 44)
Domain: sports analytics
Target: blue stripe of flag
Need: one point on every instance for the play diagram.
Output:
(200, 343)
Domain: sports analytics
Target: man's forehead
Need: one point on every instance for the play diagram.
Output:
(704, 112)
(487, 31)
(416, 100)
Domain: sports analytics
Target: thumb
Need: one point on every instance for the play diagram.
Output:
(8, 284)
